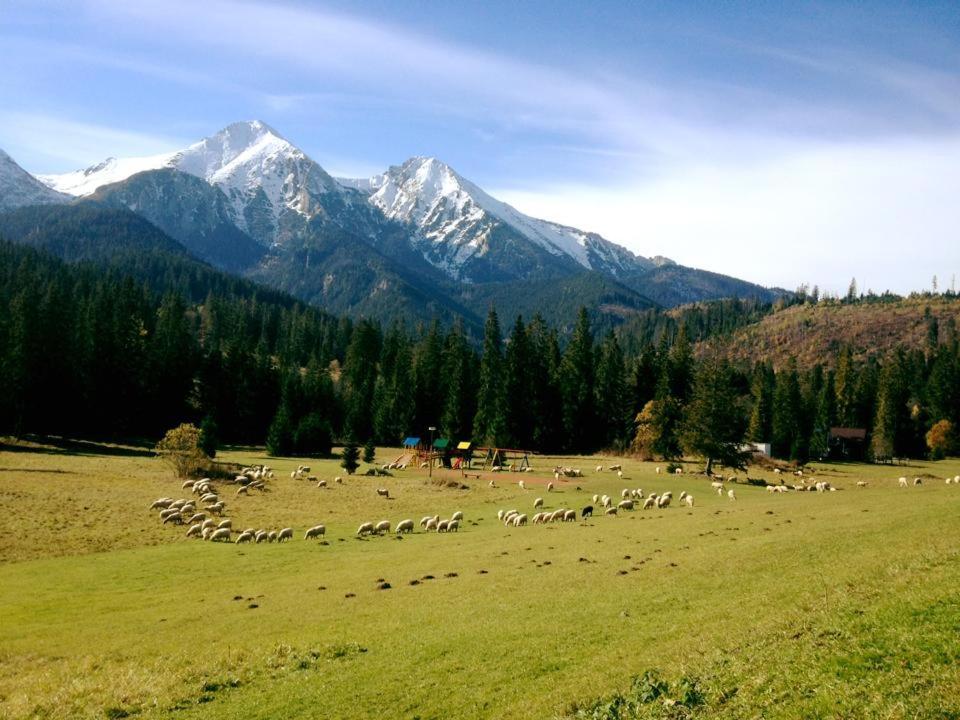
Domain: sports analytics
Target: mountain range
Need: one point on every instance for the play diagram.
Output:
(414, 242)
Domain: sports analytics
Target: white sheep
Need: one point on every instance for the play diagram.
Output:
(688, 500)
(610, 511)
(538, 503)
(426, 518)
(731, 494)
(492, 483)
(625, 505)
(315, 532)
(431, 524)
(537, 519)
(453, 526)
(658, 469)
(917, 481)
(570, 516)
(321, 483)
(244, 537)
(550, 487)
(195, 530)
(365, 529)
(221, 534)
(224, 524)
(272, 536)
(261, 536)
(404, 526)
(205, 533)
(618, 468)
(903, 482)
(522, 485)
(596, 499)
(383, 492)
(599, 468)
(861, 483)
(520, 520)
(196, 518)
(208, 523)
(287, 533)
(620, 474)
(678, 471)
(606, 501)
(382, 527)
(664, 500)
(458, 516)
(442, 526)
(720, 491)
(625, 493)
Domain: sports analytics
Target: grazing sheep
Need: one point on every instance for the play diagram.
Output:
(610, 511)
(442, 526)
(224, 524)
(221, 534)
(625, 505)
(196, 518)
(205, 533)
(453, 526)
(599, 468)
(678, 471)
(176, 519)
(426, 518)
(272, 536)
(383, 492)
(587, 512)
(549, 487)
(321, 483)
(720, 491)
(620, 474)
(365, 529)
(861, 483)
(314, 532)
(195, 530)
(596, 499)
(658, 469)
(382, 527)
(404, 526)
(903, 482)
(161, 504)
(431, 524)
(537, 519)
(522, 485)
(556, 476)
(618, 468)
(208, 523)
(777, 471)
(917, 481)
(731, 494)
(338, 480)
(261, 536)
(650, 502)
(664, 500)
(243, 490)
(244, 537)
(538, 503)
(688, 500)
(519, 520)
(570, 516)
(492, 483)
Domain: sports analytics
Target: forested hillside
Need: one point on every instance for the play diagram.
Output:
(134, 335)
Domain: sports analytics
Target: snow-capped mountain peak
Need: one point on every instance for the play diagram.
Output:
(18, 187)
(456, 219)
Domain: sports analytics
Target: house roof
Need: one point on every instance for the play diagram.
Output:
(848, 433)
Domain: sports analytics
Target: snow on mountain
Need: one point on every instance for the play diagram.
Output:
(19, 188)
(452, 212)
(262, 174)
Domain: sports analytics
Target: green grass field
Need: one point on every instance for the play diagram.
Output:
(834, 605)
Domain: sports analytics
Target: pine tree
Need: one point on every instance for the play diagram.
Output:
(369, 452)
(845, 386)
(209, 438)
(883, 439)
(350, 456)
(519, 392)
(280, 434)
(490, 422)
(712, 422)
(577, 388)
(458, 393)
(614, 407)
(785, 433)
(761, 412)
(823, 420)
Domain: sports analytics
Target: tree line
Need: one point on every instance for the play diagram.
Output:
(99, 351)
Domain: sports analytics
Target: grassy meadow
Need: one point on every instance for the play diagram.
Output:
(834, 605)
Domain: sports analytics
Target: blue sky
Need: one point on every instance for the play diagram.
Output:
(808, 143)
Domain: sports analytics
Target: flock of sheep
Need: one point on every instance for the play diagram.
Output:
(202, 524)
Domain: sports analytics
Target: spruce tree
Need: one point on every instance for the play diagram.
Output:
(761, 411)
(519, 370)
(369, 452)
(883, 439)
(280, 434)
(350, 456)
(785, 432)
(614, 406)
(490, 422)
(712, 421)
(823, 420)
(577, 388)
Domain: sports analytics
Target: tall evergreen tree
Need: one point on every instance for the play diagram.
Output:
(787, 407)
(614, 406)
(761, 411)
(577, 388)
(490, 422)
(713, 425)
(519, 390)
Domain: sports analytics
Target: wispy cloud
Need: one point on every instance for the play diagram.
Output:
(27, 134)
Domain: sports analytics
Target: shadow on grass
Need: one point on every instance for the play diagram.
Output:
(53, 445)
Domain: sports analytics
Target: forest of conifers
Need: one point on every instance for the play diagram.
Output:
(88, 349)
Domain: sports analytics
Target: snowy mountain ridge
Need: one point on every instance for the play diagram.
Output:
(265, 178)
